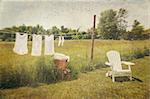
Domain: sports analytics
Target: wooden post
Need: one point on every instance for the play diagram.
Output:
(93, 34)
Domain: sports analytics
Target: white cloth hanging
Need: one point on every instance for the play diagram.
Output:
(21, 44)
(36, 45)
(62, 40)
(59, 41)
(49, 45)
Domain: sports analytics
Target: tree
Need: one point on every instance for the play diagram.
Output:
(122, 23)
(23, 28)
(15, 29)
(64, 30)
(112, 24)
(107, 24)
(55, 30)
(146, 34)
(38, 29)
(137, 30)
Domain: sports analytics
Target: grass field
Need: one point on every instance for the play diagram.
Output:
(90, 85)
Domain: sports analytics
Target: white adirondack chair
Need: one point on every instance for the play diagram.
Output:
(116, 65)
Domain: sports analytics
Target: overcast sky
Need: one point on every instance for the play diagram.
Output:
(70, 13)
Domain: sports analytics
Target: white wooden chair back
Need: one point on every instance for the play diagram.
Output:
(115, 60)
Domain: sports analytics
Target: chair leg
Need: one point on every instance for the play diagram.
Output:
(130, 77)
(113, 78)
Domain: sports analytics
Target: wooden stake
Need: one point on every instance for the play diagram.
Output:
(93, 34)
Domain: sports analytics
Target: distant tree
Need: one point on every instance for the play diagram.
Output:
(146, 34)
(23, 28)
(108, 24)
(29, 29)
(48, 31)
(112, 24)
(55, 30)
(40, 29)
(137, 30)
(64, 30)
(15, 28)
(122, 23)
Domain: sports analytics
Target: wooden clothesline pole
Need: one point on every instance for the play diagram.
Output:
(92, 36)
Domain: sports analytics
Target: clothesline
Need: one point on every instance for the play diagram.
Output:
(23, 33)
(56, 35)
(21, 48)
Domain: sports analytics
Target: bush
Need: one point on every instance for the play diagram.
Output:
(146, 51)
(43, 72)
(138, 54)
(15, 77)
(73, 72)
(87, 68)
(127, 57)
(48, 73)
(8, 77)
(25, 76)
(100, 65)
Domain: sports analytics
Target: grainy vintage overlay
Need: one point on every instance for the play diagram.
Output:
(74, 49)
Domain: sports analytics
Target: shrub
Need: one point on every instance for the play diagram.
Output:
(48, 73)
(138, 54)
(73, 72)
(101, 64)
(146, 51)
(44, 72)
(8, 77)
(87, 68)
(127, 57)
(25, 77)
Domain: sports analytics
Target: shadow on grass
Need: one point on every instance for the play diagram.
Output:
(136, 79)
(126, 79)
(91, 67)
(100, 65)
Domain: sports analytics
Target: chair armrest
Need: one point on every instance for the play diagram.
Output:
(107, 63)
(127, 63)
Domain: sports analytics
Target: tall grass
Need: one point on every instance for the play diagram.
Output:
(26, 70)
(43, 72)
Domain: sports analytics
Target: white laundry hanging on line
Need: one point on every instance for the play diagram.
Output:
(21, 44)
(36, 45)
(59, 41)
(62, 40)
(49, 45)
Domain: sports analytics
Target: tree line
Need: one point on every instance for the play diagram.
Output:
(112, 25)
(8, 34)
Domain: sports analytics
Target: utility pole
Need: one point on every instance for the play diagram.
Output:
(92, 36)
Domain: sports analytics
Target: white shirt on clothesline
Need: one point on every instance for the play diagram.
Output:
(49, 45)
(20, 46)
(36, 45)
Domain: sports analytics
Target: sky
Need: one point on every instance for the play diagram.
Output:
(70, 13)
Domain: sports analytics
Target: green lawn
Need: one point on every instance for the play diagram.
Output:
(90, 85)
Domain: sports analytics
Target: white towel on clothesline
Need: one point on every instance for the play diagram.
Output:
(59, 41)
(21, 44)
(49, 45)
(62, 40)
(36, 45)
